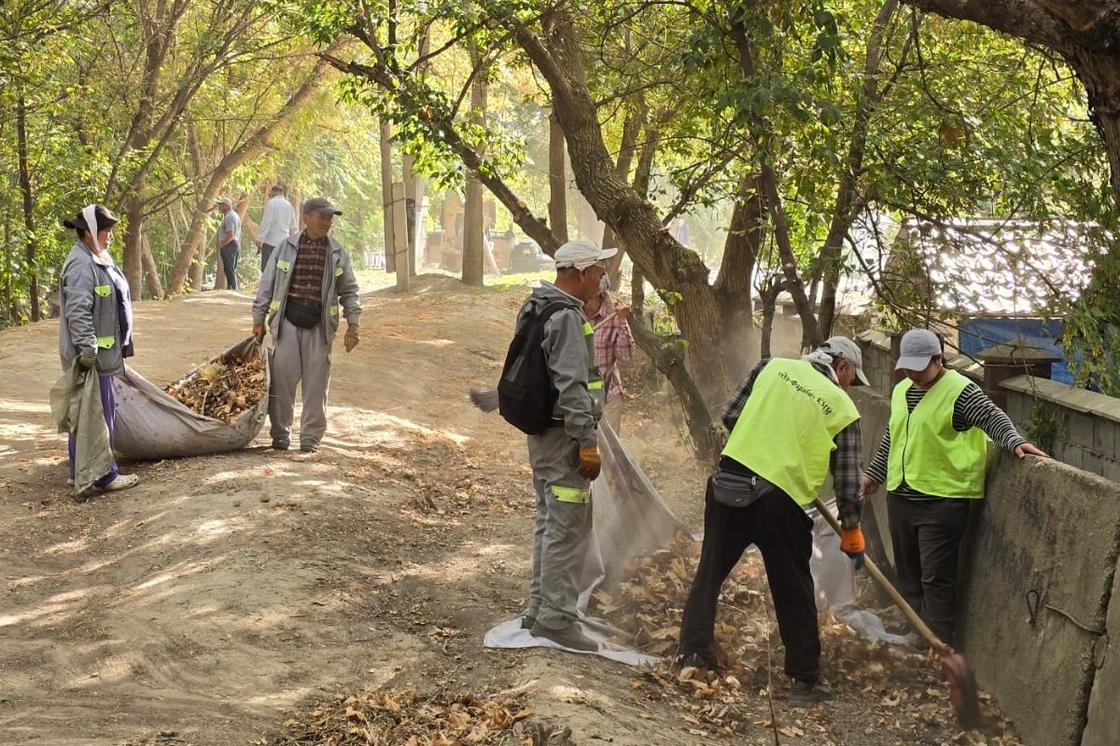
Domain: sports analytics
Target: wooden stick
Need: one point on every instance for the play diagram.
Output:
(872, 570)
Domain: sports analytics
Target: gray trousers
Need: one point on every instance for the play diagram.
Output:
(299, 356)
(562, 530)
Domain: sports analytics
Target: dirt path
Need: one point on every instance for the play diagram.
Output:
(225, 591)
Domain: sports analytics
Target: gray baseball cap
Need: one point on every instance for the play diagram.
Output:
(223, 201)
(850, 351)
(320, 204)
(917, 348)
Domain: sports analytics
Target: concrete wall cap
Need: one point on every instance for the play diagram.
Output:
(1064, 395)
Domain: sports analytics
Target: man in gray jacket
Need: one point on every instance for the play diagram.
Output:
(565, 457)
(306, 279)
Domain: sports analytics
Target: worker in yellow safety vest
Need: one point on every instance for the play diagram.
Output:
(932, 459)
(790, 424)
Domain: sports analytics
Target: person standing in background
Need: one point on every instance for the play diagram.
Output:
(229, 240)
(277, 223)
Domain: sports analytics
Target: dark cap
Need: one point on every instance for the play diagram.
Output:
(103, 217)
(321, 205)
(276, 189)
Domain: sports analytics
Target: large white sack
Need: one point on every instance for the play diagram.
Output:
(152, 425)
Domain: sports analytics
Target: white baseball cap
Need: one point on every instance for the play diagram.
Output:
(581, 254)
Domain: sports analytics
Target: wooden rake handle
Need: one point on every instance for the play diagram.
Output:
(872, 570)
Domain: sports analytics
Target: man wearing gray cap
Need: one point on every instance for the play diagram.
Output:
(306, 279)
(932, 459)
(790, 424)
(229, 240)
(565, 455)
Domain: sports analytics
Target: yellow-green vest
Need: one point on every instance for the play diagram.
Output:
(927, 452)
(787, 430)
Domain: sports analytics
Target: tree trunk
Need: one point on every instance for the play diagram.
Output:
(631, 129)
(474, 255)
(733, 287)
(848, 203)
(386, 145)
(637, 291)
(670, 266)
(669, 358)
(769, 298)
(411, 210)
(151, 271)
(28, 208)
(557, 180)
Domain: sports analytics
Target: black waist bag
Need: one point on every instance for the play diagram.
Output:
(303, 313)
(738, 490)
(526, 396)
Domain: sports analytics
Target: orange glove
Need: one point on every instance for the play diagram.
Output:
(590, 462)
(851, 544)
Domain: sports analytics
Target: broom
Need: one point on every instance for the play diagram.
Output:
(962, 683)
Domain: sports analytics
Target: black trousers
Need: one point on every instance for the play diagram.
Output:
(926, 535)
(229, 254)
(266, 252)
(783, 534)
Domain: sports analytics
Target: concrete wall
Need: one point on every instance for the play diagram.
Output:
(1049, 529)
(1103, 728)
(1087, 433)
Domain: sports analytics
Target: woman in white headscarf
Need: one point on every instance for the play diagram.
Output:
(96, 325)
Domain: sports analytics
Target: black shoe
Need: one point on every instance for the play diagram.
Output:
(527, 621)
(279, 445)
(310, 448)
(804, 694)
(570, 637)
(696, 660)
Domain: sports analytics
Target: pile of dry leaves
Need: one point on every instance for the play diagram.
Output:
(223, 389)
(403, 718)
(901, 689)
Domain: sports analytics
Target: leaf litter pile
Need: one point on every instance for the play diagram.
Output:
(403, 718)
(888, 688)
(224, 387)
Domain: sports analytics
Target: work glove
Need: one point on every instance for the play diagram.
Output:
(590, 462)
(851, 544)
(352, 337)
(88, 358)
(258, 332)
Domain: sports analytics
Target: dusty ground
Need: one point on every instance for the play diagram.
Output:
(226, 592)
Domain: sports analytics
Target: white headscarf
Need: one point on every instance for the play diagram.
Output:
(89, 214)
(825, 358)
(104, 258)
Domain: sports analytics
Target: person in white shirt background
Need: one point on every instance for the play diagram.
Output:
(276, 223)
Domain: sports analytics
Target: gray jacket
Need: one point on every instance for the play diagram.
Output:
(569, 347)
(96, 312)
(339, 286)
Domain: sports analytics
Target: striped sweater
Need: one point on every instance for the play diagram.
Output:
(972, 409)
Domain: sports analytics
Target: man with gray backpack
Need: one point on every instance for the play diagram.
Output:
(552, 390)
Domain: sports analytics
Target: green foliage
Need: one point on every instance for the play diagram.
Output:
(1092, 327)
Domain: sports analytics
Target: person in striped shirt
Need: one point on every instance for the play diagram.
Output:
(932, 458)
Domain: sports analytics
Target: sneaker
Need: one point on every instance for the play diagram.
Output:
(804, 694)
(309, 448)
(528, 621)
(569, 637)
(279, 445)
(703, 661)
(122, 482)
